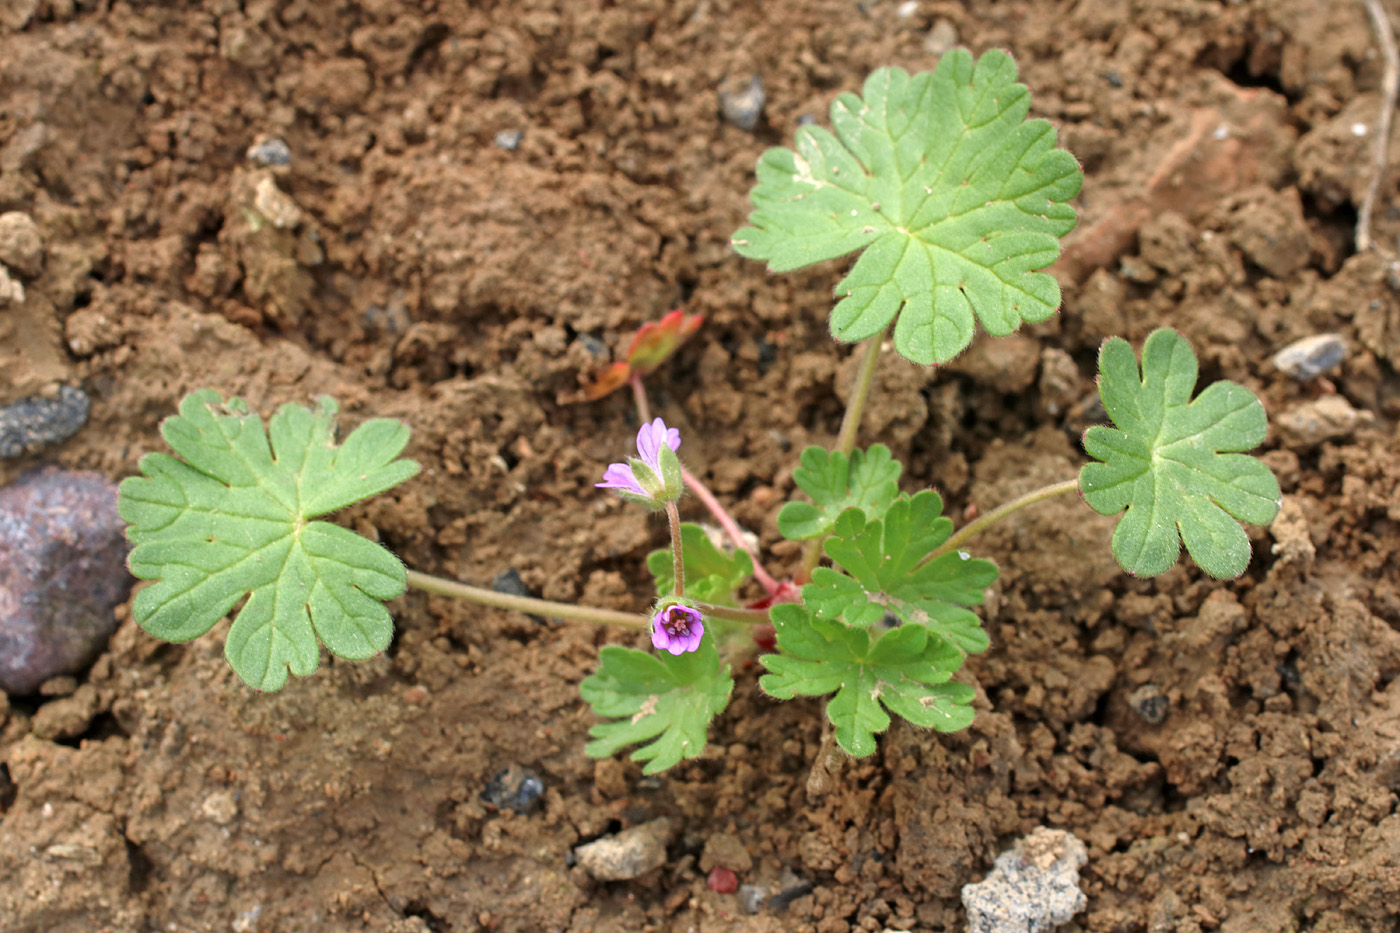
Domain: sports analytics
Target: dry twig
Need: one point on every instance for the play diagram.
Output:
(1390, 82)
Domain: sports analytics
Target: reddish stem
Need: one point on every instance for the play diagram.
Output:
(717, 510)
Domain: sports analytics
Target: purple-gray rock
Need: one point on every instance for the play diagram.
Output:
(36, 421)
(62, 572)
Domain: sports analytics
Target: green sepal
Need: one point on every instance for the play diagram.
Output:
(881, 560)
(906, 671)
(711, 575)
(867, 480)
(954, 196)
(233, 519)
(1176, 464)
(665, 701)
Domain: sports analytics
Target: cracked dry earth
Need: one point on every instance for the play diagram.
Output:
(1228, 753)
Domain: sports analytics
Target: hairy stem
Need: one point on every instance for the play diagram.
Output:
(1000, 512)
(528, 604)
(702, 492)
(673, 515)
(846, 438)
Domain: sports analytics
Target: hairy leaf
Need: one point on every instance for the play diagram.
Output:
(233, 519)
(711, 575)
(906, 671)
(867, 480)
(1174, 463)
(883, 573)
(664, 701)
(954, 196)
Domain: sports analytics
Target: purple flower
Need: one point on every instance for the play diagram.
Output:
(677, 628)
(654, 477)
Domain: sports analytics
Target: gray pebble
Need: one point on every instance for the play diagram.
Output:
(36, 421)
(627, 855)
(62, 572)
(1033, 887)
(1149, 702)
(752, 897)
(509, 140)
(515, 788)
(270, 152)
(1310, 357)
(742, 105)
(510, 583)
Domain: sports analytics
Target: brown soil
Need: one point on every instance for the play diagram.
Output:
(421, 271)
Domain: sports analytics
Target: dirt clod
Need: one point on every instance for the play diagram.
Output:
(628, 854)
(21, 245)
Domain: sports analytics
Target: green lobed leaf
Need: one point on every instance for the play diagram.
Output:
(711, 575)
(665, 701)
(867, 480)
(1174, 462)
(905, 671)
(954, 196)
(881, 560)
(233, 519)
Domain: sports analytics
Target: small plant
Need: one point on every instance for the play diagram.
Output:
(955, 202)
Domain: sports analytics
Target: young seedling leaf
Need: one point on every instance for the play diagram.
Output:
(867, 480)
(954, 196)
(665, 701)
(1174, 463)
(711, 575)
(233, 518)
(906, 671)
(884, 572)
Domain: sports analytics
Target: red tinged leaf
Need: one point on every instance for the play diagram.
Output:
(652, 344)
(655, 341)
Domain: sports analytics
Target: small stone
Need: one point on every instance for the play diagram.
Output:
(941, 38)
(509, 582)
(270, 152)
(275, 205)
(1310, 357)
(17, 13)
(1150, 703)
(724, 850)
(514, 788)
(62, 573)
(627, 855)
(1324, 419)
(21, 246)
(793, 888)
(722, 881)
(509, 140)
(35, 422)
(1033, 887)
(752, 897)
(220, 807)
(742, 105)
(11, 291)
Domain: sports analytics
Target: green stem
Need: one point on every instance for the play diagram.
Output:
(1000, 512)
(527, 604)
(860, 391)
(673, 515)
(846, 438)
(545, 607)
